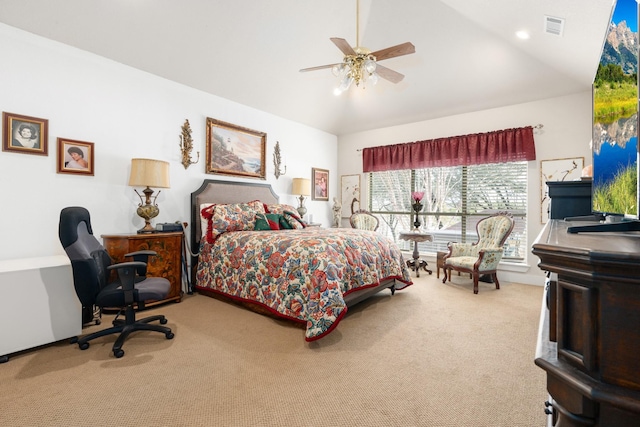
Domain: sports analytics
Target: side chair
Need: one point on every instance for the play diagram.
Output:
(481, 257)
(364, 220)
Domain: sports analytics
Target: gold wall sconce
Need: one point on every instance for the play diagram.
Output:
(277, 160)
(186, 145)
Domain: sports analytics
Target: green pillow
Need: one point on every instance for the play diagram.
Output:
(284, 223)
(267, 222)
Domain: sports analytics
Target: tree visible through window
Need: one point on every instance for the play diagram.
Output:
(456, 198)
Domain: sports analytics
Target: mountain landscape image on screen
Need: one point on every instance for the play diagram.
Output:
(615, 116)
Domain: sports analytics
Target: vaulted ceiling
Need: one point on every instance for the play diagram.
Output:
(249, 51)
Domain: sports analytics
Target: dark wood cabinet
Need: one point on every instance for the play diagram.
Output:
(166, 264)
(569, 198)
(589, 337)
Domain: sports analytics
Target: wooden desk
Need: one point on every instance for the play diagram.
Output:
(416, 263)
(167, 264)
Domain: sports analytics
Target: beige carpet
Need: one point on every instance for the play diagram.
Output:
(431, 355)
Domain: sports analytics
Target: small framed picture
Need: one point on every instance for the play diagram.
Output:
(320, 179)
(75, 157)
(24, 134)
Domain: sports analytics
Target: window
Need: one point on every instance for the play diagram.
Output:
(455, 199)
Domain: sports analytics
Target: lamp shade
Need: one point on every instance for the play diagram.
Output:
(149, 173)
(301, 186)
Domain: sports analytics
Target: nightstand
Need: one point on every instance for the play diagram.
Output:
(313, 224)
(166, 264)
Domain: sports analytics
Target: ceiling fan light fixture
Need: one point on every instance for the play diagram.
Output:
(370, 65)
(338, 70)
(345, 83)
(359, 64)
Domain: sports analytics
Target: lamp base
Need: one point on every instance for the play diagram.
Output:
(302, 210)
(148, 228)
(147, 212)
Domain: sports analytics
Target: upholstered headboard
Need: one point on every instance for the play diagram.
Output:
(222, 192)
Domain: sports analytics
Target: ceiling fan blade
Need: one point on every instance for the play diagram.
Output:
(343, 45)
(393, 51)
(320, 67)
(389, 74)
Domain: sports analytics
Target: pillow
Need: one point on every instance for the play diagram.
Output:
(231, 217)
(204, 221)
(277, 208)
(267, 222)
(291, 215)
(284, 223)
(293, 221)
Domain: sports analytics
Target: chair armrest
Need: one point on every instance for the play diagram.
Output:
(489, 258)
(142, 256)
(127, 271)
(127, 276)
(146, 253)
(462, 249)
(129, 264)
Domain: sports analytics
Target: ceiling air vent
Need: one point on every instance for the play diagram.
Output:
(553, 25)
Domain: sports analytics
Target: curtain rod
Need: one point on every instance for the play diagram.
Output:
(538, 126)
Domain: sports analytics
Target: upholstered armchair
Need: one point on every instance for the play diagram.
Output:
(483, 256)
(364, 220)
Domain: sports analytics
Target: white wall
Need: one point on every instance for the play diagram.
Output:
(127, 113)
(566, 133)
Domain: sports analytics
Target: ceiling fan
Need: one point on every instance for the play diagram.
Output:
(360, 64)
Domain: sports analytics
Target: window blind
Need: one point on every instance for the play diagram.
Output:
(456, 197)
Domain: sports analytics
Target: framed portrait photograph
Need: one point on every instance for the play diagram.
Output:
(320, 180)
(24, 134)
(75, 157)
(234, 150)
(556, 170)
(349, 194)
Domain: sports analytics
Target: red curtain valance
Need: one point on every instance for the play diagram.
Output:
(509, 145)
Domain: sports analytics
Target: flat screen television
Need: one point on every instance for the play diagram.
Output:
(614, 193)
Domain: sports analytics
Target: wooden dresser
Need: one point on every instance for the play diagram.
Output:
(589, 336)
(167, 264)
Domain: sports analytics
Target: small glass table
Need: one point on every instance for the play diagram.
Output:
(416, 237)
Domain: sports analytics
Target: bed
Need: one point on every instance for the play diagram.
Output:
(309, 275)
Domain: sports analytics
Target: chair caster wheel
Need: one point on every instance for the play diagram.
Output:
(83, 346)
(73, 340)
(163, 321)
(97, 322)
(118, 353)
(169, 335)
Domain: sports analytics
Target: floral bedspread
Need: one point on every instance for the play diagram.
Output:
(302, 275)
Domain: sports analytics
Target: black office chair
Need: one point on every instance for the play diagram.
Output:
(92, 265)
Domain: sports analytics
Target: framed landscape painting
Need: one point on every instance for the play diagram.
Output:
(234, 150)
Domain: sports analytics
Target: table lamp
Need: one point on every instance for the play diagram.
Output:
(302, 186)
(148, 173)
